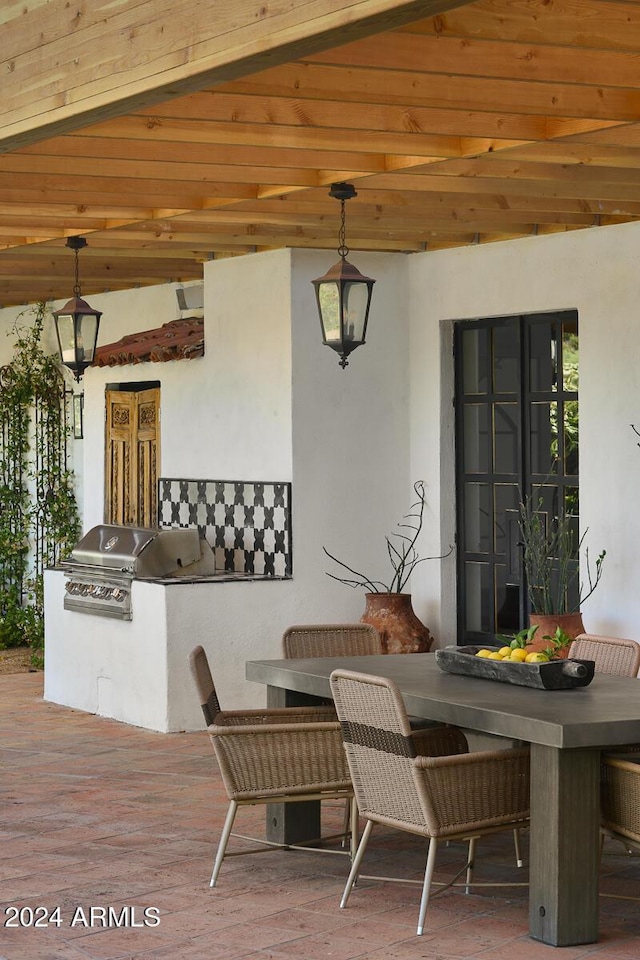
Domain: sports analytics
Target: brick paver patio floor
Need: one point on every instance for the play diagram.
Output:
(97, 814)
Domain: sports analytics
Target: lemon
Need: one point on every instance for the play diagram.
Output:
(495, 655)
(504, 651)
(537, 658)
(519, 655)
(483, 653)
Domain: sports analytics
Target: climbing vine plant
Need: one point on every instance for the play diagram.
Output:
(39, 522)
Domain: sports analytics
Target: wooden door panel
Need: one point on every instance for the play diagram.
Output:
(132, 449)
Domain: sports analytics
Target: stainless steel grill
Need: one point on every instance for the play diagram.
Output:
(108, 558)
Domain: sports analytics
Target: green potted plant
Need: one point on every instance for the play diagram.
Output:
(552, 569)
(388, 605)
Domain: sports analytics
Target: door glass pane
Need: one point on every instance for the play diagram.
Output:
(475, 356)
(476, 438)
(572, 502)
(543, 357)
(570, 374)
(507, 602)
(571, 435)
(544, 437)
(478, 597)
(506, 498)
(506, 359)
(477, 517)
(505, 439)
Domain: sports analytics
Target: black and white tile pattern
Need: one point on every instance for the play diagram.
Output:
(247, 524)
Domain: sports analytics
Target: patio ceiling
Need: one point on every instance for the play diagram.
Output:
(488, 121)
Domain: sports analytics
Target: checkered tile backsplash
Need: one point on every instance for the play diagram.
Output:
(247, 524)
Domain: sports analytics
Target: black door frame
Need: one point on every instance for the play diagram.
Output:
(531, 476)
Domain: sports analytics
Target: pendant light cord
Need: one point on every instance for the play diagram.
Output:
(76, 286)
(343, 249)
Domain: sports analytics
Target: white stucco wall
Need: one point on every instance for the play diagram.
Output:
(596, 272)
(226, 415)
(350, 438)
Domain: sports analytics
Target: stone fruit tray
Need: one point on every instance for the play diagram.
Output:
(552, 675)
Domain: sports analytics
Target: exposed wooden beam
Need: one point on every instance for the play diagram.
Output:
(592, 23)
(481, 123)
(449, 91)
(65, 65)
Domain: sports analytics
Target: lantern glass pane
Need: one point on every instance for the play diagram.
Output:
(329, 300)
(87, 336)
(66, 338)
(356, 297)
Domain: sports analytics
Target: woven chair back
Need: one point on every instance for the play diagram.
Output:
(331, 640)
(613, 655)
(620, 797)
(379, 748)
(201, 673)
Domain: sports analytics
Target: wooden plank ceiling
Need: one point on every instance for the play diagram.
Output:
(494, 120)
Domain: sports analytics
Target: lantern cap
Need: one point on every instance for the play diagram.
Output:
(78, 307)
(343, 270)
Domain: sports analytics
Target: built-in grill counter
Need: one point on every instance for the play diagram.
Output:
(106, 560)
(125, 609)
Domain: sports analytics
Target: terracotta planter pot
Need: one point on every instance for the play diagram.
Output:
(393, 617)
(571, 623)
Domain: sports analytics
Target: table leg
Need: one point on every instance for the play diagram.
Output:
(564, 848)
(292, 822)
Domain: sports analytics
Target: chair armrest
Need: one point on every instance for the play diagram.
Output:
(268, 716)
(267, 730)
(286, 758)
(473, 789)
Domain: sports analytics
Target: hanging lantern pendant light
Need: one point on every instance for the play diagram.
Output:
(343, 293)
(77, 323)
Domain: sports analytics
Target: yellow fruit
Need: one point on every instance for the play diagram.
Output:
(495, 655)
(483, 653)
(518, 655)
(536, 658)
(504, 651)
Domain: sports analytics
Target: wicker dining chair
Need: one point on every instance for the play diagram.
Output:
(436, 797)
(270, 756)
(613, 655)
(339, 640)
(308, 640)
(331, 640)
(620, 799)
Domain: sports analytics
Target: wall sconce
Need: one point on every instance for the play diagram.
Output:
(77, 324)
(343, 294)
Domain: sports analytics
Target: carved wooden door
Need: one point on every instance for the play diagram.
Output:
(132, 455)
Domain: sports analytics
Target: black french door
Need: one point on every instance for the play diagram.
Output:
(516, 437)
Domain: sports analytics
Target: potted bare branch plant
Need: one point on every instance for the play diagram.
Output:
(388, 606)
(552, 569)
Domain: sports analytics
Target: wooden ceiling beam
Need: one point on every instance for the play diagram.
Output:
(597, 24)
(415, 88)
(274, 144)
(378, 205)
(65, 65)
(83, 154)
(508, 185)
(494, 59)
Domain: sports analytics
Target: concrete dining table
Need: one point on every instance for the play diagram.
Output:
(566, 730)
